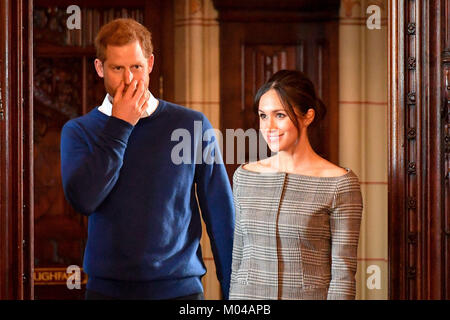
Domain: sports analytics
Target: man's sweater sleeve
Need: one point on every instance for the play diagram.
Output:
(91, 161)
(216, 204)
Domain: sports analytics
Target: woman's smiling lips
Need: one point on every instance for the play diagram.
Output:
(273, 138)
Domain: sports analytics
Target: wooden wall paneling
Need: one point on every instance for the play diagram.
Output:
(417, 188)
(397, 279)
(445, 114)
(26, 13)
(436, 117)
(5, 287)
(60, 231)
(16, 180)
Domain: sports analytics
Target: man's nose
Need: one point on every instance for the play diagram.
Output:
(127, 76)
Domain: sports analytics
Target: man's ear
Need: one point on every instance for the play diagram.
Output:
(99, 67)
(151, 62)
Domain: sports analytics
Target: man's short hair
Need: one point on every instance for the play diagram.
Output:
(120, 32)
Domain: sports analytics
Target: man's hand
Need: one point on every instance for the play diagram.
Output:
(130, 105)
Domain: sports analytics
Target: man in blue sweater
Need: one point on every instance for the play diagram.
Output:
(118, 168)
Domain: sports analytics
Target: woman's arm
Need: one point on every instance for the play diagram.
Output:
(345, 223)
(238, 236)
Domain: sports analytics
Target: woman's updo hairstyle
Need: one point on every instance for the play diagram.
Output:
(297, 94)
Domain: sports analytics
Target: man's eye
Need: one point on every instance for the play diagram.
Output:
(137, 67)
(117, 68)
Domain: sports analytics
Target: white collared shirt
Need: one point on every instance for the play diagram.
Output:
(106, 106)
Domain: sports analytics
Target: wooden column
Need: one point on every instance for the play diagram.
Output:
(419, 144)
(16, 145)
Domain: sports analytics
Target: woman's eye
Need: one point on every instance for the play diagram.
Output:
(262, 115)
(280, 115)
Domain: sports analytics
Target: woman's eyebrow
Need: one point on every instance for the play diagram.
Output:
(272, 110)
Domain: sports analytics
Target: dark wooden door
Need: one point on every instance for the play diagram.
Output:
(66, 86)
(419, 159)
(258, 38)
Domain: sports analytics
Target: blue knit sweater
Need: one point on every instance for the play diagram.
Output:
(144, 222)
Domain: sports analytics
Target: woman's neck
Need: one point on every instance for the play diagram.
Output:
(301, 157)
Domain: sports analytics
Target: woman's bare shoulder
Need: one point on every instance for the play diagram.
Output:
(264, 165)
(329, 169)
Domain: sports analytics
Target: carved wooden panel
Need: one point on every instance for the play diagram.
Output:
(412, 266)
(59, 231)
(418, 184)
(57, 94)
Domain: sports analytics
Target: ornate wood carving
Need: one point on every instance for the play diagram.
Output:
(418, 190)
(57, 88)
(58, 93)
(411, 28)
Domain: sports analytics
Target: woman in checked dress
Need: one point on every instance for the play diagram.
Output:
(297, 214)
